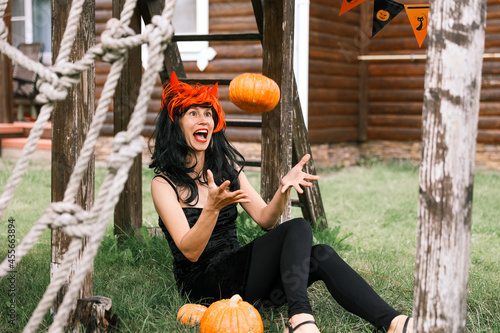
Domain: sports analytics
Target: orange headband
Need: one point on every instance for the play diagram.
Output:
(180, 95)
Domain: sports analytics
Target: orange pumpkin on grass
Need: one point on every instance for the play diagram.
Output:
(191, 314)
(254, 93)
(231, 316)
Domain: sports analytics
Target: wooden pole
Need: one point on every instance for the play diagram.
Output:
(128, 210)
(310, 201)
(6, 90)
(277, 63)
(70, 122)
(450, 118)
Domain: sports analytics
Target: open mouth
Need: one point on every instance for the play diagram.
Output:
(201, 135)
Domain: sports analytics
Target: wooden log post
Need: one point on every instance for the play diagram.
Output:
(6, 90)
(128, 210)
(310, 201)
(450, 117)
(94, 315)
(70, 121)
(277, 63)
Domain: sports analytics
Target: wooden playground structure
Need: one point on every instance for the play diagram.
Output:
(450, 114)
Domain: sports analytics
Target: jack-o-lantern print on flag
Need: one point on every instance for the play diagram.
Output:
(383, 12)
(419, 18)
(347, 5)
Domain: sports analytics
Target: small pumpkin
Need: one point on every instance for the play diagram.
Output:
(383, 15)
(255, 93)
(191, 314)
(231, 316)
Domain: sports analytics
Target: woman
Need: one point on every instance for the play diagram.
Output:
(198, 183)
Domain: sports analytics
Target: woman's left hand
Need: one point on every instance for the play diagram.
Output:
(297, 178)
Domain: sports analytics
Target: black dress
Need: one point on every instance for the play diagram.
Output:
(222, 269)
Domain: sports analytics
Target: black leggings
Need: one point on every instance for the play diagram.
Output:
(284, 263)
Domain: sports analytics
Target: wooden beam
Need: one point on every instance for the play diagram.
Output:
(259, 15)
(310, 201)
(277, 124)
(70, 121)
(218, 37)
(6, 90)
(128, 210)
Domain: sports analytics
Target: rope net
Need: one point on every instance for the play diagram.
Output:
(53, 85)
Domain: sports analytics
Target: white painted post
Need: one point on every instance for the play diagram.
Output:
(450, 116)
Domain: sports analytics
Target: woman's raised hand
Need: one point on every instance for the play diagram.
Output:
(297, 178)
(220, 196)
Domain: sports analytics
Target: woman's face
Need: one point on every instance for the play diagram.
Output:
(197, 124)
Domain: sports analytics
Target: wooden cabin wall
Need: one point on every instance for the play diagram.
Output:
(349, 100)
(232, 58)
(395, 88)
(333, 72)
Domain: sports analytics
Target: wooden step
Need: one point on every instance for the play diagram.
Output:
(15, 135)
(218, 37)
(253, 163)
(28, 125)
(221, 82)
(257, 123)
(19, 143)
(10, 130)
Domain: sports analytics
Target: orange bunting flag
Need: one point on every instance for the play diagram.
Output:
(419, 19)
(347, 5)
(383, 13)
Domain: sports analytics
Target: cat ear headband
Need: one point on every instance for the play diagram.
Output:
(179, 96)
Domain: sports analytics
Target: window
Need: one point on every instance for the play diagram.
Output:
(191, 18)
(31, 22)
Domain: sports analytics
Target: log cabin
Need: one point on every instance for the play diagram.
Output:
(361, 95)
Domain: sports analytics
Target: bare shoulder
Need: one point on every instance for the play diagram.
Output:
(162, 184)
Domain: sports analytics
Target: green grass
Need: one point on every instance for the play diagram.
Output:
(372, 216)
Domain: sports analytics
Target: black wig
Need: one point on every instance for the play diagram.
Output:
(170, 151)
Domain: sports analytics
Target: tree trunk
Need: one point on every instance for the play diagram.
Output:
(450, 117)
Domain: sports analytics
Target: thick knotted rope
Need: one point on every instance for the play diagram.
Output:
(54, 83)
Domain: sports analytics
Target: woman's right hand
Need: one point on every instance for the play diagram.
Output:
(220, 196)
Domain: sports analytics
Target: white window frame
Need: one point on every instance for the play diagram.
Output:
(200, 52)
(28, 29)
(28, 21)
(301, 54)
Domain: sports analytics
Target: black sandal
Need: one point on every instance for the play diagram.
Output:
(292, 329)
(406, 324)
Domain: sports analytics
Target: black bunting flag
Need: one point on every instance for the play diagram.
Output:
(383, 12)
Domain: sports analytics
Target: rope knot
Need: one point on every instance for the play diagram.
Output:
(115, 48)
(66, 214)
(163, 26)
(124, 150)
(57, 88)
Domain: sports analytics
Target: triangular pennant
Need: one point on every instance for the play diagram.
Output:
(383, 13)
(419, 19)
(347, 5)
